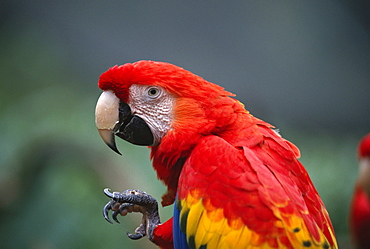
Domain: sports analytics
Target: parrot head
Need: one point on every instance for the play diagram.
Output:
(143, 102)
(364, 163)
(364, 147)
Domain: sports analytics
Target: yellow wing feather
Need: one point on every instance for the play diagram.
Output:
(207, 225)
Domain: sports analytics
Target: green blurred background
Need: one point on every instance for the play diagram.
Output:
(302, 66)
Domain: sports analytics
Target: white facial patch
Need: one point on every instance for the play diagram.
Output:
(155, 106)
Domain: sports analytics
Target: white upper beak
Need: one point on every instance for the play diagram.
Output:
(107, 116)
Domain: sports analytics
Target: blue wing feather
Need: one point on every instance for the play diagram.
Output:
(179, 238)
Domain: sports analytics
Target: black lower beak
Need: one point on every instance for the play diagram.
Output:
(132, 128)
(136, 132)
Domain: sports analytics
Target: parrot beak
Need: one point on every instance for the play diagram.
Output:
(114, 117)
(107, 118)
(108, 138)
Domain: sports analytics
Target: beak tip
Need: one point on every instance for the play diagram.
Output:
(114, 148)
(108, 138)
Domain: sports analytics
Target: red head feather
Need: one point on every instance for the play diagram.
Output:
(174, 79)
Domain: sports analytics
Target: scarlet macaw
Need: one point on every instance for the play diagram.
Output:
(359, 216)
(233, 180)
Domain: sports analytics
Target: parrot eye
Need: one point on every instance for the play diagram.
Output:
(153, 92)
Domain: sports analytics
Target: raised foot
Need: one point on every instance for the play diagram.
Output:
(130, 201)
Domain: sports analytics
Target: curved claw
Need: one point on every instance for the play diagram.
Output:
(135, 236)
(106, 209)
(107, 193)
(114, 215)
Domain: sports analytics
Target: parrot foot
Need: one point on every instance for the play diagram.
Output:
(134, 201)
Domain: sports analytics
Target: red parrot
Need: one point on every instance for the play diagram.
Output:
(233, 180)
(359, 216)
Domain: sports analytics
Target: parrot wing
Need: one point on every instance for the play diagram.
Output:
(242, 197)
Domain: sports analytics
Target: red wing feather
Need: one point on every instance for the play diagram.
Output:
(258, 188)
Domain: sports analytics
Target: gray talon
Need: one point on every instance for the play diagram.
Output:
(135, 236)
(133, 201)
(106, 209)
(107, 193)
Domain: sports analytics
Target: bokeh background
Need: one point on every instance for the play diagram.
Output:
(303, 66)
